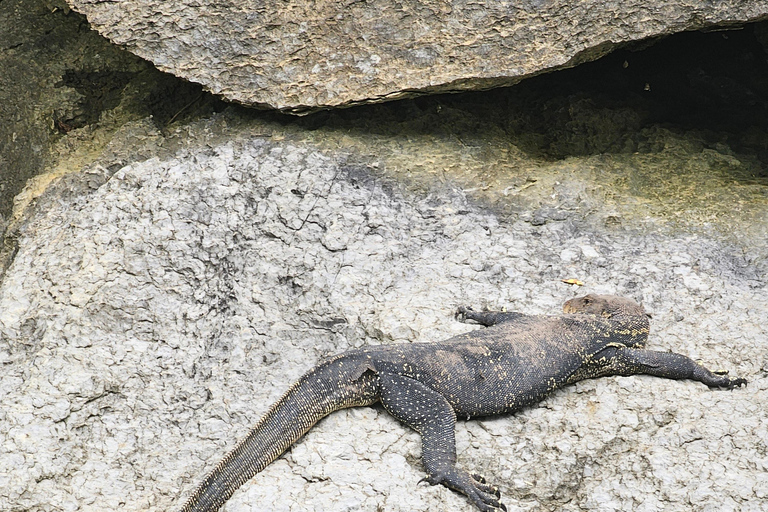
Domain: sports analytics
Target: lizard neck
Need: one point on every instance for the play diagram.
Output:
(630, 330)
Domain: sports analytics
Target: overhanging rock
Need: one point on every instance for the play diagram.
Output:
(296, 55)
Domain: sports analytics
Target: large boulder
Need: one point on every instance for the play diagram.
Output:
(299, 55)
(173, 282)
(153, 312)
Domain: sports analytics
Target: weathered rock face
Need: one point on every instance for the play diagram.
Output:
(42, 89)
(58, 78)
(172, 285)
(301, 55)
(152, 313)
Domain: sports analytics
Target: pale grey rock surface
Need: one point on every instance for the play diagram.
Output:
(301, 55)
(153, 313)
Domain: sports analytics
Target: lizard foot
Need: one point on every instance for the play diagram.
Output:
(464, 313)
(736, 383)
(722, 381)
(484, 496)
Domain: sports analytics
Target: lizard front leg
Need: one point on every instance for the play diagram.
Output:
(486, 318)
(429, 413)
(632, 361)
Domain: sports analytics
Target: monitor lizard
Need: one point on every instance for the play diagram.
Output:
(514, 362)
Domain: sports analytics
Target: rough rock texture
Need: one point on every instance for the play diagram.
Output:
(301, 55)
(152, 314)
(64, 90)
(49, 68)
(180, 276)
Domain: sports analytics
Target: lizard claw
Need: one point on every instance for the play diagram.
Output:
(737, 383)
(723, 382)
(716, 379)
(484, 496)
(483, 485)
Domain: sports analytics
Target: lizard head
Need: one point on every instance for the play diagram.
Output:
(607, 306)
(628, 319)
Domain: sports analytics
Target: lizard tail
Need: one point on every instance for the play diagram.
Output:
(344, 381)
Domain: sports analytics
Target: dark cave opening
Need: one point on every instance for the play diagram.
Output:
(714, 84)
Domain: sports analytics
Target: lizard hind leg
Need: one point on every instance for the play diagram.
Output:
(429, 413)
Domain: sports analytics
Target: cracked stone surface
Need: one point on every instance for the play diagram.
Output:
(154, 311)
(301, 55)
